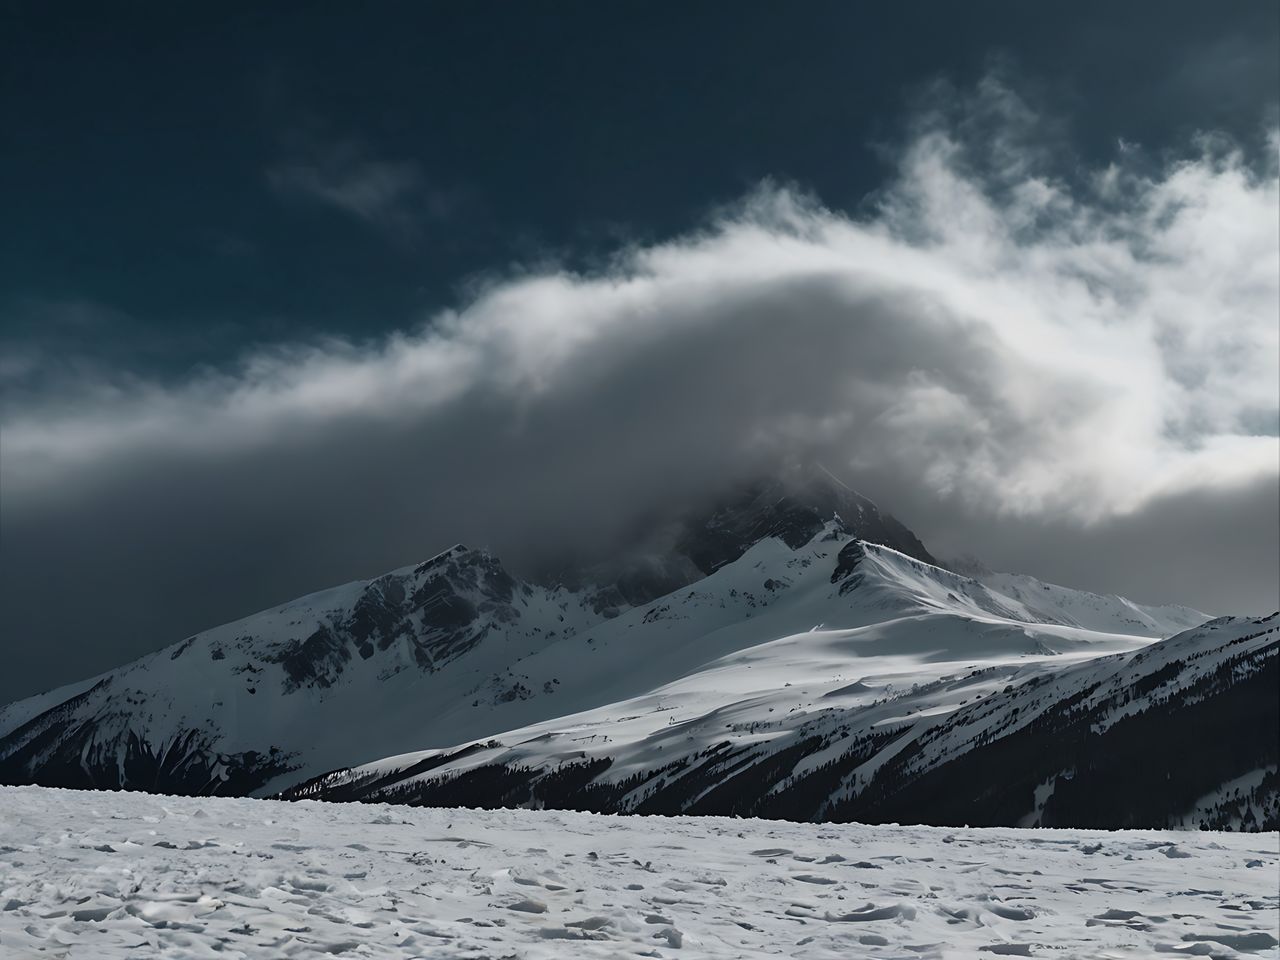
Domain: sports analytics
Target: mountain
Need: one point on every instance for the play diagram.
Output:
(374, 667)
(894, 691)
(331, 675)
(797, 669)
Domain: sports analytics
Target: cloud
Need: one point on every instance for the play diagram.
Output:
(1012, 357)
(391, 195)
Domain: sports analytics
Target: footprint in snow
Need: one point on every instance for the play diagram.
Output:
(1013, 913)
(871, 912)
(1248, 942)
(674, 938)
(571, 933)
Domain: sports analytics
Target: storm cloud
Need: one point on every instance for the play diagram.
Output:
(1072, 374)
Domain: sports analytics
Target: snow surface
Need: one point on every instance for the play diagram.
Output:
(103, 875)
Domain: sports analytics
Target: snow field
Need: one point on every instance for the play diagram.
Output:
(105, 875)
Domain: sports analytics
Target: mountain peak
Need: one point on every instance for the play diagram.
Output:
(793, 506)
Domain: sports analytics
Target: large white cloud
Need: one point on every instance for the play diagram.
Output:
(1124, 331)
(992, 343)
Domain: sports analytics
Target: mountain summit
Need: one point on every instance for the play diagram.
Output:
(794, 508)
(793, 505)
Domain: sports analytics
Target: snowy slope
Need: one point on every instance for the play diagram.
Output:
(313, 681)
(109, 875)
(1089, 610)
(931, 717)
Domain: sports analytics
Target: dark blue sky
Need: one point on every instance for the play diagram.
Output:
(182, 181)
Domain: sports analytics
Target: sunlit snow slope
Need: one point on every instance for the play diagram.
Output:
(914, 695)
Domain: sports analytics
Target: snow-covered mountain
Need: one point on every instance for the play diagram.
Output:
(791, 651)
(425, 654)
(1178, 733)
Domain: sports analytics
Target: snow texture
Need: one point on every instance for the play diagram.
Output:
(103, 875)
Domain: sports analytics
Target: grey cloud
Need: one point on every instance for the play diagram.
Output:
(1214, 549)
(995, 363)
(394, 195)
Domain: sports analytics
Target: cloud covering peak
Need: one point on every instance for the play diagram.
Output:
(1000, 350)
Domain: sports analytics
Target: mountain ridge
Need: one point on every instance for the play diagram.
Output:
(456, 650)
(1086, 743)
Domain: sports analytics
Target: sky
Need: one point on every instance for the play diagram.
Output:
(296, 294)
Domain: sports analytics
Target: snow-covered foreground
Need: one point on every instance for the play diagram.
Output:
(98, 875)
